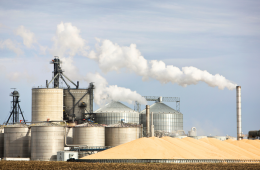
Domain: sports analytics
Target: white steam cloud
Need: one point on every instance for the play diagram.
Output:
(104, 92)
(112, 57)
(27, 35)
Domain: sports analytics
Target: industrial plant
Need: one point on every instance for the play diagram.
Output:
(64, 125)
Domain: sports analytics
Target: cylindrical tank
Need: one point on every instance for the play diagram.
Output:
(193, 132)
(83, 104)
(17, 139)
(165, 119)
(47, 103)
(47, 139)
(1, 142)
(115, 112)
(121, 133)
(89, 134)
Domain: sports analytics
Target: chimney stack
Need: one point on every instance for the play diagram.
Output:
(239, 129)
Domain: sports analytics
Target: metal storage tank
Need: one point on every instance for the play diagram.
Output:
(1, 142)
(89, 134)
(47, 139)
(165, 118)
(83, 106)
(114, 112)
(47, 103)
(121, 133)
(17, 139)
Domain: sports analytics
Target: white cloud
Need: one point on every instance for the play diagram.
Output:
(68, 41)
(28, 37)
(11, 45)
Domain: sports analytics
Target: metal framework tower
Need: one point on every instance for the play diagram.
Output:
(137, 106)
(15, 108)
(57, 75)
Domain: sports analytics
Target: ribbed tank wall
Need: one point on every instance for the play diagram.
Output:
(17, 142)
(46, 142)
(120, 135)
(47, 104)
(114, 118)
(69, 135)
(91, 136)
(78, 94)
(165, 122)
(1, 143)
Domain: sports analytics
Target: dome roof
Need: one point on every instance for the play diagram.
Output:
(114, 106)
(160, 107)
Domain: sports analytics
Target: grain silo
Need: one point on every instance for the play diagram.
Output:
(114, 112)
(47, 139)
(77, 102)
(89, 134)
(47, 103)
(165, 118)
(17, 139)
(1, 142)
(121, 133)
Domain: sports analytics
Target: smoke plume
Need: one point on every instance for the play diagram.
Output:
(112, 57)
(104, 92)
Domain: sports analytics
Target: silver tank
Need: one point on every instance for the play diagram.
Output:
(47, 103)
(17, 139)
(121, 133)
(79, 109)
(89, 134)
(165, 119)
(114, 112)
(1, 142)
(47, 140)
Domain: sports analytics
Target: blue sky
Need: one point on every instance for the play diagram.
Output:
(221, 37)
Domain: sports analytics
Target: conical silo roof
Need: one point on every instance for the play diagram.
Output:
(160, 107)
(114, 106)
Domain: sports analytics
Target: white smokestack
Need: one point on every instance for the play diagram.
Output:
(239, 128)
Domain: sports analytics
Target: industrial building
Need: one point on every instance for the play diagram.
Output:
(63, 119)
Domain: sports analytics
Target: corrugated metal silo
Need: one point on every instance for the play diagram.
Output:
(121, 133)
(47, 103)
(81, 95)
(47, 139)
(114, 112)
(89, 134)
(1, 142)
(17, 139)
(165, 118)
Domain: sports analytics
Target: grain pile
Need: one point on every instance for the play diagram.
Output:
(186, 148)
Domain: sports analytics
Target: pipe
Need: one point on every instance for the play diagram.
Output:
(239, 130)
(147, 121)
(152, 127)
